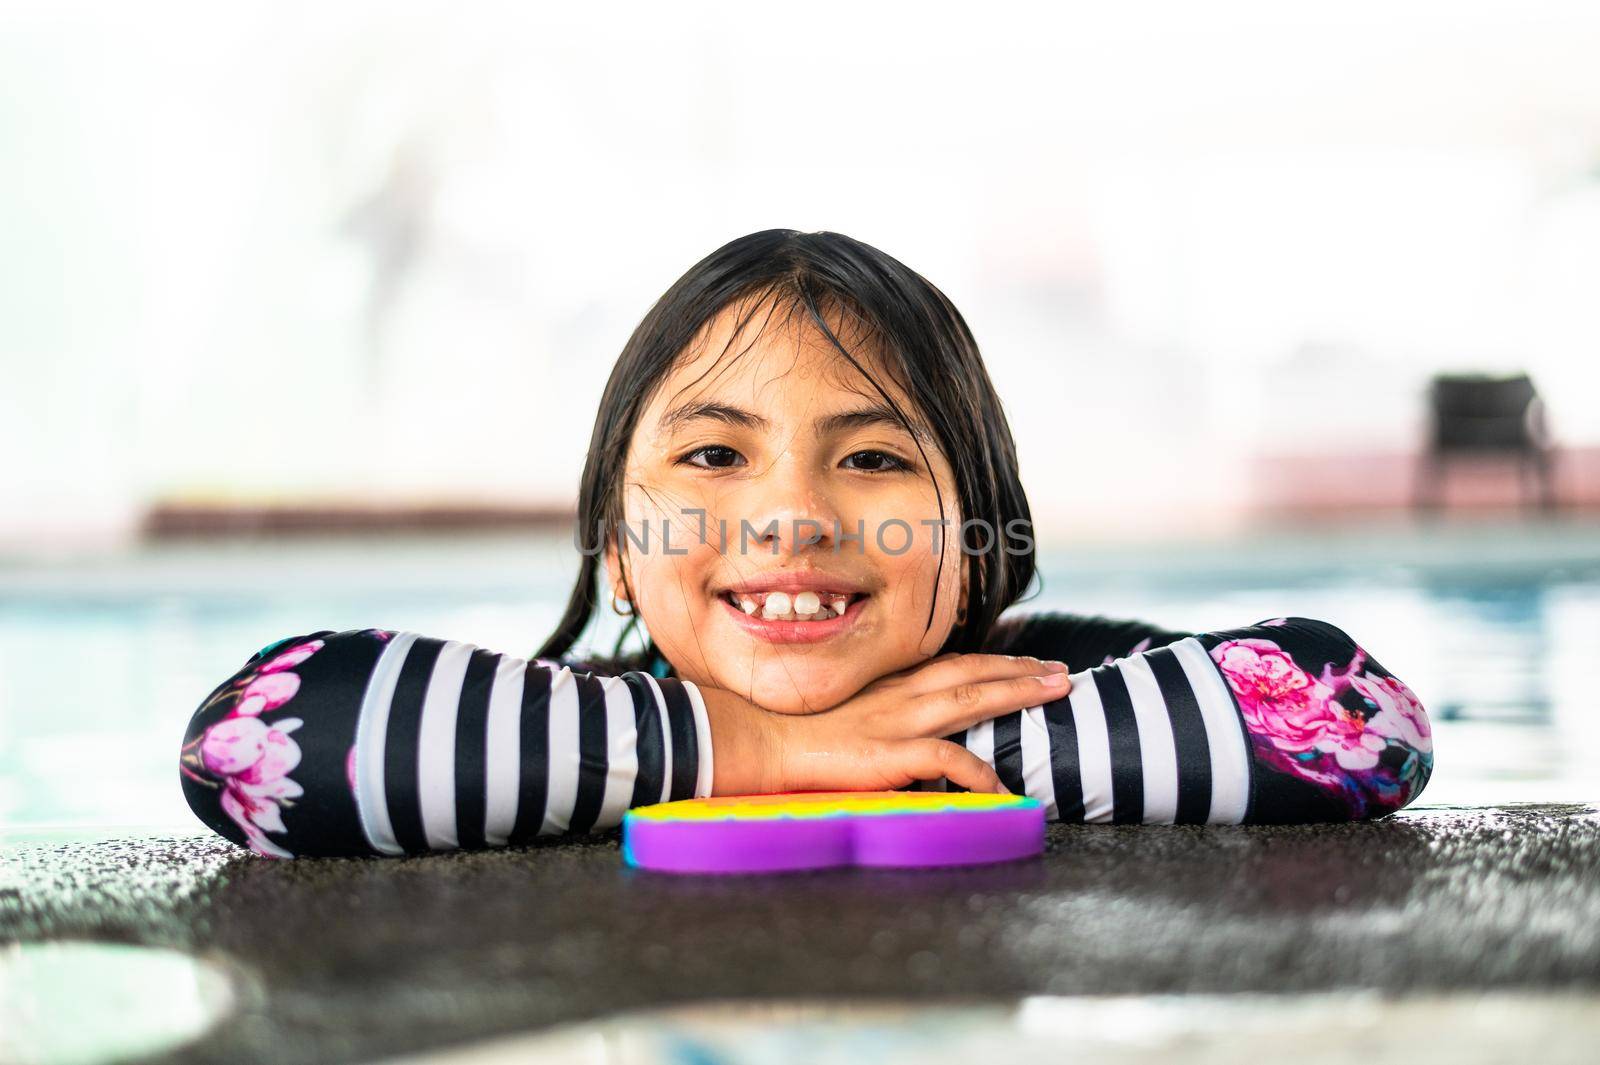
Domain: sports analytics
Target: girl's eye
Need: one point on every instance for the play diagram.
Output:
(876, 462)
(714, 457)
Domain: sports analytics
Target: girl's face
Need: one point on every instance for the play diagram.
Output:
(787, 493)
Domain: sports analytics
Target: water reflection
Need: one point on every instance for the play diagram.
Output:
(1110, 1029)
(66, 1003)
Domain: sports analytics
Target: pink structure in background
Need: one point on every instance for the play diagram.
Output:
(1336, 484)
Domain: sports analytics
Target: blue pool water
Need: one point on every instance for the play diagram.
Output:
(1495, 626)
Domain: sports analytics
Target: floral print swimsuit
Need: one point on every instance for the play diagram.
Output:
(372, 741)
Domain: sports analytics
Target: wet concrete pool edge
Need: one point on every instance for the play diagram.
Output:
(356, 959)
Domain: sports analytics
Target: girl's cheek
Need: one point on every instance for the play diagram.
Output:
(924, 583)
(672, 589)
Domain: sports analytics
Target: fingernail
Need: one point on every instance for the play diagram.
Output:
(1055, 680)
(1056, 667)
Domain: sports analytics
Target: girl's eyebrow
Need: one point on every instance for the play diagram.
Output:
(864, 417)
(717, 412)
(876, 414)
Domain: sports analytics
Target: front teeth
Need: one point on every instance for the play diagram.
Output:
(776, 606)
(804, 606)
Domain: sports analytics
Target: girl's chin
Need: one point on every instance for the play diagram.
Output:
(797, 693)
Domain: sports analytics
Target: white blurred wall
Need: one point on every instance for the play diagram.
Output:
(361, 250)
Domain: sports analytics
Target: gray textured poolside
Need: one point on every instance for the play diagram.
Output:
(341, 960)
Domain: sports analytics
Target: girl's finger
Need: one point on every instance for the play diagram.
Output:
(966, 705)
(941, 673)
(930, 759)
(909, 674)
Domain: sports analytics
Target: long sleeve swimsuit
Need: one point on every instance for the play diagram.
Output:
(372, 741)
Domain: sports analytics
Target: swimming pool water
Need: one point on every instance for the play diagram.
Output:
(1495, 626)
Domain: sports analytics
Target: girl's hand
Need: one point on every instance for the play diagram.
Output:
(885, 736)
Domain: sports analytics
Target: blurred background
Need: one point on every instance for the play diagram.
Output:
(305, 311)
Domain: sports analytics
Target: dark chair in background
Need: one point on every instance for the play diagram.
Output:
(1475, 416)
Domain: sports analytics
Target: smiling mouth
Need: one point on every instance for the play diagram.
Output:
(795, 606)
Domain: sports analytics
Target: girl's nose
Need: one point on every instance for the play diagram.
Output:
(788, 511)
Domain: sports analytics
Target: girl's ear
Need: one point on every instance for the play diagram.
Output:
(614, 571)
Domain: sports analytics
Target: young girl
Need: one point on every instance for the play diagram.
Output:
(802, 487)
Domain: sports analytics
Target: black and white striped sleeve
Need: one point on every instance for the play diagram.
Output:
(378, 742)
(1288, 720)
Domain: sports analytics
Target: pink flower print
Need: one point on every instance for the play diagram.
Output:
(267, 691)
(232, 745)
(1354, 747)
(265, 800)
(1295, 721)
(251, 750)
(1279, 699)
(257, 810)
(248, 759)
(1400, 715)
(292, 657)
(1298, 725)
(253, 760)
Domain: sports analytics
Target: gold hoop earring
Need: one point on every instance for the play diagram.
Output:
(617, 609)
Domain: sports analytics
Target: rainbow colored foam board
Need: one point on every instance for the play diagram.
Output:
(825, 829)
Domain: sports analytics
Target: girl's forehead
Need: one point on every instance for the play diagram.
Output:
(777, 363)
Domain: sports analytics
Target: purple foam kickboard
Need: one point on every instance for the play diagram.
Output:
(820, 830)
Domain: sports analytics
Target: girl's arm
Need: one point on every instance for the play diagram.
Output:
(377, 742)
(1285, 721)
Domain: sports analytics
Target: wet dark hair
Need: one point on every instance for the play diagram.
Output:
(925, 345)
